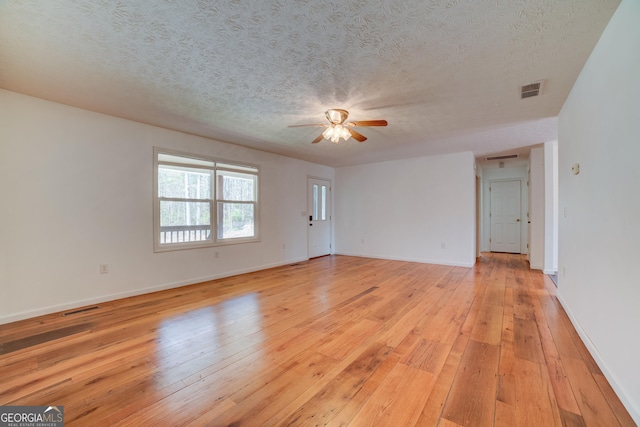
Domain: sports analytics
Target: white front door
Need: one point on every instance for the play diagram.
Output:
(319, 219)
(505, 216)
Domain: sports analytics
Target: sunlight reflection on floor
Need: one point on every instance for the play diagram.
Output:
(190, 342)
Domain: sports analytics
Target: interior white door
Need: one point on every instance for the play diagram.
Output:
(505, 216)
(319, 211)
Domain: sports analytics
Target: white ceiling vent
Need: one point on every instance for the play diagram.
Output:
(532, 89)
(507, 156)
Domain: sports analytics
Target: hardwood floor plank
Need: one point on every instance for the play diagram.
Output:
(261, 399)
(432, 410)
(561, 337)
(429, 356)
(328, 401)
(619, 410)
(506, 394)
(535, 401)
(527, 344)
(446, 423)
(342, 342)
(473, 393)
(561, 386)
(593, 405)
(345, 415)
(444, 323)
(332, 341)
(390, 404)
(570, 419)
(488, 325)
(505, 415)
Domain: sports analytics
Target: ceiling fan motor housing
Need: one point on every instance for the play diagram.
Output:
(336, 116)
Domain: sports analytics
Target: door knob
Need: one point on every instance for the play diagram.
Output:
(518, 220)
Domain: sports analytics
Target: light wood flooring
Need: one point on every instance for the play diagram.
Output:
(332, 341)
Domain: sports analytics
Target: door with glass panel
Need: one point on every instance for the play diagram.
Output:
(319, 217)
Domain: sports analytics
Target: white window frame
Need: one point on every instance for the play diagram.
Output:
(215, 166)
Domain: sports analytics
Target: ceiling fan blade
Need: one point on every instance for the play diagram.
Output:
(357, 136)
(313, 124)
(318, 139)
(368, 123)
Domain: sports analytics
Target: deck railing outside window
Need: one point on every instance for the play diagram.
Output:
(184, 233)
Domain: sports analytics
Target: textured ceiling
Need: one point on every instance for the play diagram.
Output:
(445, 74)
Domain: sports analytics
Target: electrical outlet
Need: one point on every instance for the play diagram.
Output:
(216, 254)
(104, 268)
(362, 241)
(443, 245)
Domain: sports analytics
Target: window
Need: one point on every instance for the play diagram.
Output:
(319, 203)
(236, 202)
(203, 202)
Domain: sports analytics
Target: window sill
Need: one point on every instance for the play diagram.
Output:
(169, 247)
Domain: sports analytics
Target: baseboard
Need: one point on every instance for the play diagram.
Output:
(628, 404)
(111, 297)
(423, 261)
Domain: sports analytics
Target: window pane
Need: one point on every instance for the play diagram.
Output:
(323, 212)
(235, 220)
(163, 157)
(184, 221)
(315, 202)
(240, 168)
(184, 183)
(236, 186)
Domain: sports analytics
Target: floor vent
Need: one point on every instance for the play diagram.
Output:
(44, 337)
(81, 310)
(532, 89)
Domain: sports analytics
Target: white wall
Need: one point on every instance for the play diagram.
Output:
(512, 170)
(599, 128)
(536, 208)
(76, 191)
(408, 209)
(479, 207)
(550, 207)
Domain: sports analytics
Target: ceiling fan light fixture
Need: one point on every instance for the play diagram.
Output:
(344, 132)
(338, 128)
(334, 132)
(328, 133)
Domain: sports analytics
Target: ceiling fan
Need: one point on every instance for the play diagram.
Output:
(337, 128)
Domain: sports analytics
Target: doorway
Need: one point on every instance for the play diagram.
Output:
(505, 216)
(319, 220)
